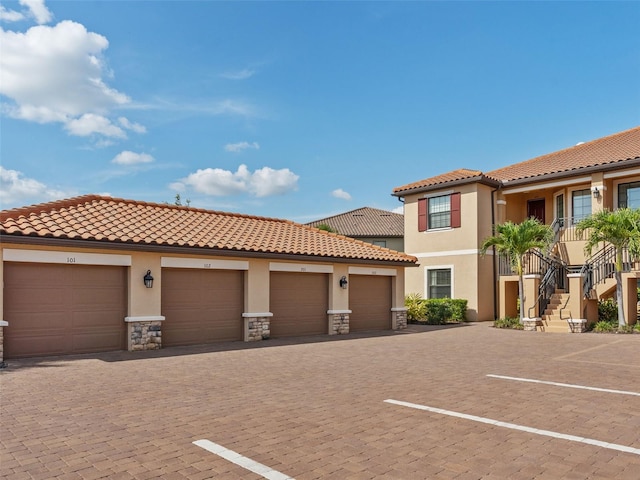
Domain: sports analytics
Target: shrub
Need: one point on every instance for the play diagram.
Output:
(435, 311)
(416, 308)
(608, 311)
(625, 329)
(444, 310)
(604, 326)
(636, 327)
(508, 322)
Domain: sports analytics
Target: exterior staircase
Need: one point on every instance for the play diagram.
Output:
(554, 318)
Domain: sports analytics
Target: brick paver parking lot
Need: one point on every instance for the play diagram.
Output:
(314, 408)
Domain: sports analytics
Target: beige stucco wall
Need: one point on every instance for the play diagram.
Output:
(455, 248)
(145, 302)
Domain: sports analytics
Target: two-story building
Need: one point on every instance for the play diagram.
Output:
(448, 216)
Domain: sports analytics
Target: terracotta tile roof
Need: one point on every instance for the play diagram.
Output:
(106, 219)
(365, 222)
(461, 175)
(605, 151)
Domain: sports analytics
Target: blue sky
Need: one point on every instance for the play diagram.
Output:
(299, 110)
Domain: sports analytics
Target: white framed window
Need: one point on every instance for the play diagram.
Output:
(439, 282)
(580, 204)
(559, 207)
(629, 195)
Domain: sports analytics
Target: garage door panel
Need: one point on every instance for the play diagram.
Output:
(202, 306)
(55, 309)
(370, 303)
(299, 303)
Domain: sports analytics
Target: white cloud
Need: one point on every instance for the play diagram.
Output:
(15, 189)
(136, 127)
(56, 74)
(131, 158)
(264, 182)
(10, 15)
(399, 210)
(238, 147)
(38, 10)
(238, 74)
(340, 193)
(90, 123)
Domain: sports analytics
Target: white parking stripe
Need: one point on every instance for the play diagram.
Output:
(568, 385)
(244, 462)
(513, 426)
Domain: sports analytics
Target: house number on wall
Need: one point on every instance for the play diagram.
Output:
(71, 259)
(207, 265)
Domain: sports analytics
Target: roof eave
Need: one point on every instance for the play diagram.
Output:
(153, 247)
(482, 179)
(622, 164)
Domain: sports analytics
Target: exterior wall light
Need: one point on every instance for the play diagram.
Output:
(148, 279)
(596, 192)
(343, 282)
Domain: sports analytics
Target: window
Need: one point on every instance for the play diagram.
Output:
(380, 243)
(581, 204)
(629, 195)
(439, 283)
(560, 209)
(442, 211)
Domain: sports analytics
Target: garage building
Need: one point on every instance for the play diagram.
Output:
(95, 273)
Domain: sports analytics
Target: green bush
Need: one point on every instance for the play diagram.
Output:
(625, 329)
(608, 311)
(416, 309)
(604, 326)
(636, 327)
(508, 322)
(435, 311)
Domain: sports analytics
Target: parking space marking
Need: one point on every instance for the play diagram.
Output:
(567, 385)
(522, 428)
(242, 461)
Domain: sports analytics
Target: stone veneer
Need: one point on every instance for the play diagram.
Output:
(531, 324)
(257, 328)
(2, 325)
(145, 335)
(339, 323)
(400, 318)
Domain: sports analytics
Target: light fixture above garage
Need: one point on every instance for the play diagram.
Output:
(148, 280)
(343, 282)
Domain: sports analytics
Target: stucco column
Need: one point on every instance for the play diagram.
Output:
(338, 312)
(576, 305)
(597, 192)
(256, 316)
(531, 284)
(398, 309)
(144, 319)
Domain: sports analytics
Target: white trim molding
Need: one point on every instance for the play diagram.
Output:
(300, 267)
(203, 263)
(501, 202)
(399, 309)
(145, 318)
(338, 312)
(541, 186)
(389, 272)
(257, 315)
(71, 258)
(4, 323)
(449, 253)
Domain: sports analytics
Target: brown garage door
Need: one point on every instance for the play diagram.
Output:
(63, 309)
(299, 304)
(201, 306)
(370, 303)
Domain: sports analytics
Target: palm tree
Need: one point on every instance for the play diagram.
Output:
(621, 229)
(515, 240)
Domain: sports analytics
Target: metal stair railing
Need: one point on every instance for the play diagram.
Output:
(601, 266)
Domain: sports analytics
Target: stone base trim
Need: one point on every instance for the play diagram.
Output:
(338, 322)
(399, 318)
(2, 325)
(258, 327)
(144, 335)
(531, 324)
(577, 325)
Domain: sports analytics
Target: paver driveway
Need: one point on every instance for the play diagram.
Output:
(315, 408)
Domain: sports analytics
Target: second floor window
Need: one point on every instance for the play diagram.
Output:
(580, 204)
(439, 212)
(629, 195)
